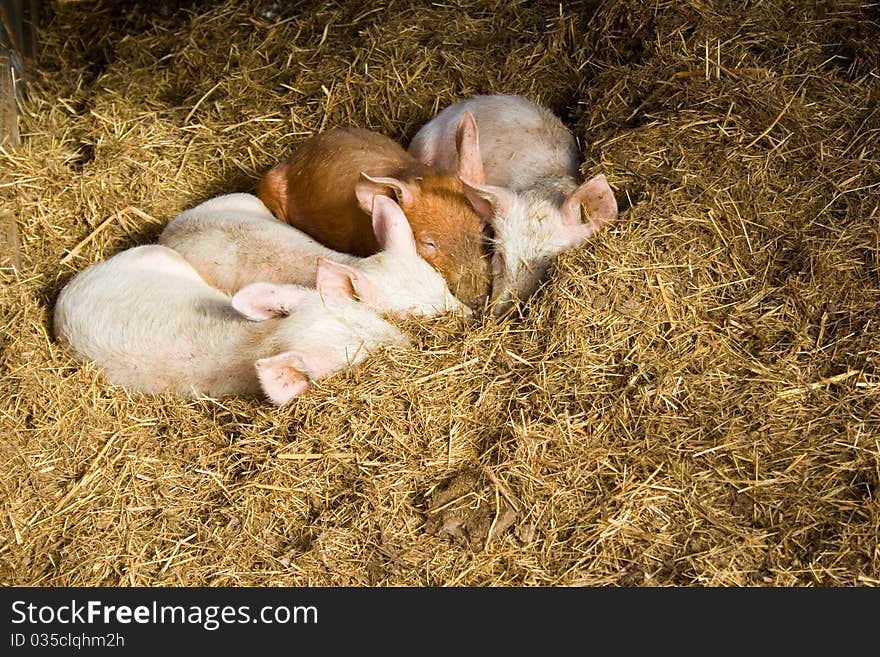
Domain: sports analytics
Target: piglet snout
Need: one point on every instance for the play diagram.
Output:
(478, 304)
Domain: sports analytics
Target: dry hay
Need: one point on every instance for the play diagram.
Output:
(691, 400)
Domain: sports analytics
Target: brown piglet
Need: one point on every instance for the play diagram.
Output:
(326, 189)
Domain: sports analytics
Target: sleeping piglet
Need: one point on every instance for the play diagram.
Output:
(153, 325)
(326, 189)
(233, 240)
(531, 197)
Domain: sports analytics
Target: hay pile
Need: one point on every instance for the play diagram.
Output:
(691, 400)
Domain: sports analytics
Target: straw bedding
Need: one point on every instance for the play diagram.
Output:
(691, 400)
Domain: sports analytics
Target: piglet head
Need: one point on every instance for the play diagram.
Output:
(447, 231)
(397, 279)
(284, 376)
(530, 231)
(289, 374)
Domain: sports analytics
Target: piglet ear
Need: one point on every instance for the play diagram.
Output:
(391, 226)
(335, 280)
(598, 200)
(368, 188)
(467, 143)
(272, 191)
(261, 301)
(282, 377)
(488, 200)
(321, 361)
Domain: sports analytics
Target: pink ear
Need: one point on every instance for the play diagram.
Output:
(281, 377)
(467, 143)
(321, 362)
(598, 200)
(339, 281)
(489, 200)
(367, 188)
(391, 226)
(260, 301)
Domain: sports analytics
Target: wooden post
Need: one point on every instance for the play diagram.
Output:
(8, 103)
(18, 20)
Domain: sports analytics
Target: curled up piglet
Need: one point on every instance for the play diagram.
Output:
(531, 196)
(327, 186)
(153, 325)
(233, 240)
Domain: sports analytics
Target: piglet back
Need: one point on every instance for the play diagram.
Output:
(233, 240)
(521, 142)
(138, 316)
(314, 189)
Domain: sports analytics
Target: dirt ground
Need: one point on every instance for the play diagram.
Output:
(693, 399)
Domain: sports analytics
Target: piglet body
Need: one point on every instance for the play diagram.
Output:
(531, 196)
(153, 325)
(522, 144)
(326, 189)
(233, 240)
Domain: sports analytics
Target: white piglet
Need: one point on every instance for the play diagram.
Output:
(152, 324)
(234, 240)
(531, 199)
